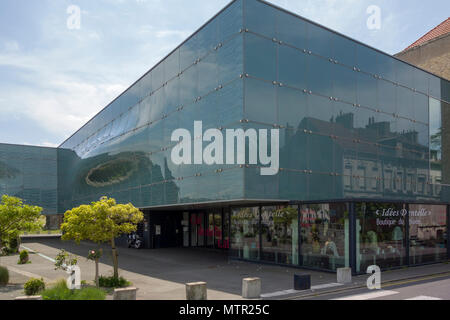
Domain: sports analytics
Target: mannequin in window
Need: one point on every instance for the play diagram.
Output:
(330, 248)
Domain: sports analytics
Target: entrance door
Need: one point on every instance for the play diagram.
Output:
(166, 230)
(210, 230)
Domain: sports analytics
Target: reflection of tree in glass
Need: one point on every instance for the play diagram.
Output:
(245, 216)
(436, 140)
(7, 171)
(283, 218)
(112, 172)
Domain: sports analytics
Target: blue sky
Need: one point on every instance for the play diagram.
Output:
(54, 79)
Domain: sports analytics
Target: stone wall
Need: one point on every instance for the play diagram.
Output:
(433, 56)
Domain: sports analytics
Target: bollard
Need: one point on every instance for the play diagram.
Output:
(251, 288)
(302, 282)
(344, 275)
(196, 291)
(125, 294)
(29, 298)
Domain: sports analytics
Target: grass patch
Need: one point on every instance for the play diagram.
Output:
(60, 292)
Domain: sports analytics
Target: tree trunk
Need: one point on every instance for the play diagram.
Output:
(114, 258)
(96, 274)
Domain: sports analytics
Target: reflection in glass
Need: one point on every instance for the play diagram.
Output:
(245, 233)
(279, 233)
(325, 235)
(427, 233)
(380, 235)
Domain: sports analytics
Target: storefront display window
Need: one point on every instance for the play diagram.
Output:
(325, 235)
(380, 235)
(427, 233)
(245, 233)
(279, 232)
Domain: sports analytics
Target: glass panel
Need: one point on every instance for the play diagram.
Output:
(218, 230)
(185, 227)
(197, 230)
(319, 41)
(319, 75)
(325, 235)
(427, 233)
(260, 101)
(230, 20)
(344, 50)
(291, 30)
(260, 57)
(380, 235)
(291, 67)
(194, 230)
(226, 231)
(279, 233)
(245, 233)
(259, 18)
(210, 230)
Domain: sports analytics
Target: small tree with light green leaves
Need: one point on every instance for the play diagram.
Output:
(100, 222)
(17, 217)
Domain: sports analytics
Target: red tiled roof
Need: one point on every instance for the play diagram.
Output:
(440, 30)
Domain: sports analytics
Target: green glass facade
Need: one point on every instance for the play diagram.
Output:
(360, 131)
(125, 151)
(30, 173)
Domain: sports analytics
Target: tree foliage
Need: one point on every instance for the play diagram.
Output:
(16, 217)
(100, 222)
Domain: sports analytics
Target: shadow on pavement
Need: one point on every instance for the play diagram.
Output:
(182, 265)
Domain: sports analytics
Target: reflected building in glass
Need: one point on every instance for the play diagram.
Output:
(363, 174)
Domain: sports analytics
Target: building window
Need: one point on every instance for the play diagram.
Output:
(380, 230)
(399, 181)
(374, 179)
(388, 180)
(362, 178)
(279, 234)
(421, 184)
(427, 233)
(348, 177)
(245, 233)
(324, 235)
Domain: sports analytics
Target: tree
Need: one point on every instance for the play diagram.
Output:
(16, 217)
(101, 221)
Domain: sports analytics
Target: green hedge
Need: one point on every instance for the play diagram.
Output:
(60, 292)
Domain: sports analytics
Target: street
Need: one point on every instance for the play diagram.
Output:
(426, 288)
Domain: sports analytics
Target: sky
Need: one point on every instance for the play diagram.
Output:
(54, 77)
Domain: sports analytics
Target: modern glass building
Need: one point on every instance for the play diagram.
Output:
(363, 153)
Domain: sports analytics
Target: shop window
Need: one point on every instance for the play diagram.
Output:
(380, 240)
(279, 234)
(245, 233)
(427, 233)
(325, 235)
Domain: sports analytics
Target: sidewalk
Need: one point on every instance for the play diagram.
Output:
(161, 274)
